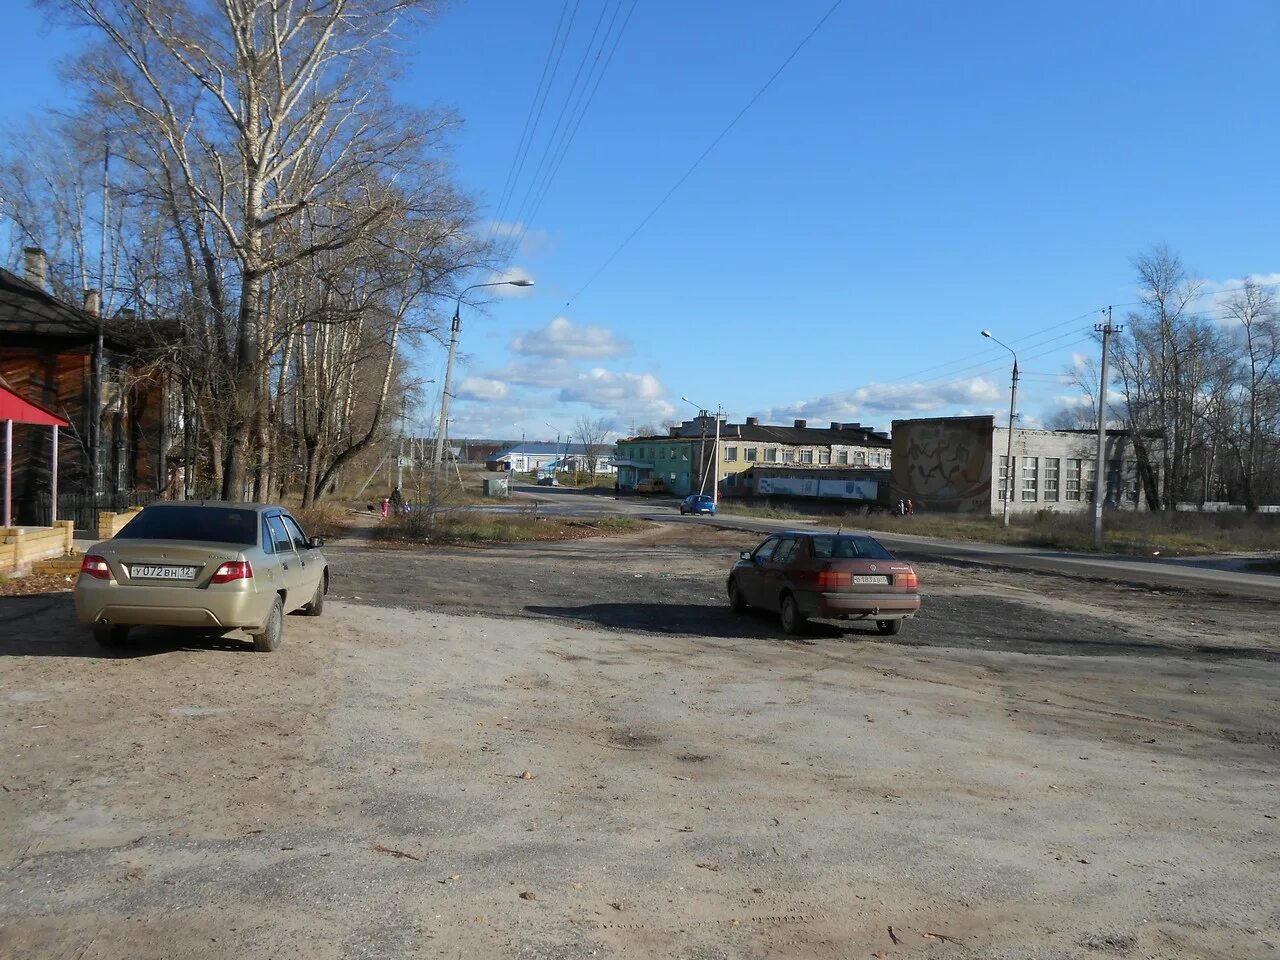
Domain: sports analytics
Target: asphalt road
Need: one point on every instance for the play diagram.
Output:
(1185, 574)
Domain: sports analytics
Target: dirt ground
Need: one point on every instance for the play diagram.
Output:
(574, 750)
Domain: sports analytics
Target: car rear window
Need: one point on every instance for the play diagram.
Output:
(849, 548)
(201, 524)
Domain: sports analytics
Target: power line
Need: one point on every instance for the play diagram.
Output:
(578, 115)
(705, 153)
(559, 125)
(536, 106)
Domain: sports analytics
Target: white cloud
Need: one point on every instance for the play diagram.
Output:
(561, 339)
(887, 400)
(505, 277)
(531, 242)
(1214, 294)
(483, 388)
(553, 372)
(640, 395)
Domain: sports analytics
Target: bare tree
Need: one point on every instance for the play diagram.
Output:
(593, 435)
(252, 113)
(1257, 407)
(1161, 371)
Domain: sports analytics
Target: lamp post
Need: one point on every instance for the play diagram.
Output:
(715, 452)
(442, 426)
(1013, 402)
(453, 352)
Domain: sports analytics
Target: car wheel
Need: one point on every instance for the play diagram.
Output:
(316, 606)
(110, 636)
(889, 627)
(793, 620)
(269, 637)
(737, 602)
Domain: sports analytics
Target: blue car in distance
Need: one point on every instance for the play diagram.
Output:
(697, 503)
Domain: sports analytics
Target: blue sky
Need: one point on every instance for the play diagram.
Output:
(920, 171)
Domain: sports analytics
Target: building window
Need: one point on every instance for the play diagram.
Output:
(842, 456)
(1003, 489)
(824, 455)
(788, 456)
(1051, 467)
(1072, 482)
(771, 455)
(1030, 474)
(749, 454)
(1090, 477)
(684, 453)
(1131, 480)
(875, 460)
(806, 456)
(860, 457)
(731, 454)
(1114, 481)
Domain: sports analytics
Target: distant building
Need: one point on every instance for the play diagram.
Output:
(539, 457)
(683, 459)
(958, 465)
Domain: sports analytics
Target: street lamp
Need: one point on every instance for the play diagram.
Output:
(1013, 401)
(445, 395)
(453, 351)
(715, 452)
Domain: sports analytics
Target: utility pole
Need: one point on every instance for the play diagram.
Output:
(95, 388)
(400, 457)
(1013, 405)
(1106, 329)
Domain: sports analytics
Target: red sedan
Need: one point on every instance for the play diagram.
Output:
(803, 576)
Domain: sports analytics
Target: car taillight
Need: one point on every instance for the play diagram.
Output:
(235, 570)
(834, 579)
(95, 567)
(908, 579)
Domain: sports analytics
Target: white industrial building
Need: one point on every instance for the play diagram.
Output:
(959, 465)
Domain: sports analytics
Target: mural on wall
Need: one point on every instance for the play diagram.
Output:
(944, 464)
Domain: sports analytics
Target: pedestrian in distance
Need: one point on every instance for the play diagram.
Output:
(386, 507)
(911, 510)
(397, 501)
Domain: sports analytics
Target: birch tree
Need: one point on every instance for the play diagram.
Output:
(253, 110)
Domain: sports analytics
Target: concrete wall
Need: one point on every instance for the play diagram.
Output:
(1036, 452)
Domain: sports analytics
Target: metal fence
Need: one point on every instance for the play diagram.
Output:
(82, 508)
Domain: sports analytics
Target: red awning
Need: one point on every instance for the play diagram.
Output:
(21, 410)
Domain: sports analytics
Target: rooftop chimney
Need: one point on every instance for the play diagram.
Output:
(852, 426)
(801, 424)
(128, 313)
(36, 265)
(92, 302)
(753, 421)
(835, 425)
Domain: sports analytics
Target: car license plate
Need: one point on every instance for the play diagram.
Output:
(870, 578)
(162, 572)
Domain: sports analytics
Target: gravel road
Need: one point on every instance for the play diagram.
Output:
(574, 750)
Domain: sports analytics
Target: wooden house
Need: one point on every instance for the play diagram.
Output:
(48, 350)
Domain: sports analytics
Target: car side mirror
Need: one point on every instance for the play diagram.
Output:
(315, 543)
(745, 555)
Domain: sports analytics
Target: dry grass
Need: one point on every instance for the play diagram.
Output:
(480, 526)
(325, 519)
(1178, 534)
